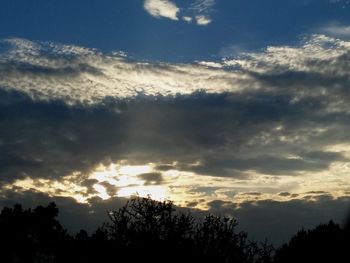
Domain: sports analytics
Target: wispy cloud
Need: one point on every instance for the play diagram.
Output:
(343, 3)
(162, 8)
(203, 6)
(337, 30)
(202, 10)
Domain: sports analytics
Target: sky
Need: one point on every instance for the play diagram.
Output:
(235, 107)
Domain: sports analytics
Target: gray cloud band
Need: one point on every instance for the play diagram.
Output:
(66, 109)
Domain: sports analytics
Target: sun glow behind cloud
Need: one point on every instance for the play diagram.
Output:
(155, 192)
(307, 83)
(127, 182)
(190, 189)
(119, 175)
(68, 186)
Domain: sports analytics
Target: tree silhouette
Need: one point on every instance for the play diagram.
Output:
(326, 243)
(144, 230)
(156, 231)
(28, 235)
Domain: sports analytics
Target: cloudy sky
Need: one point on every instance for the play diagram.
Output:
(236, 107)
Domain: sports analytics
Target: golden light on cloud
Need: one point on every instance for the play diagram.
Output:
(187, 188)
(101, 191)
(155, 192)
(67, 187)
(126, 179)
(120, 175)
(135, 170)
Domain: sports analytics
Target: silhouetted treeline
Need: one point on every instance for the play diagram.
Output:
(325, 243)
(145, 230)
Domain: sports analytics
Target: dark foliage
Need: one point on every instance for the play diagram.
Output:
(29, 235)
(325, 243)
(145, 230)
(158, 233)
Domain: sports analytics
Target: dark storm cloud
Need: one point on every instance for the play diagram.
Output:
(284, 194)
(213, 134)
(267, 218)
(151, 178)
(226, 165)
(21, 68)
(278, 221)
(51, 139)
(281, 121)
(74, 216)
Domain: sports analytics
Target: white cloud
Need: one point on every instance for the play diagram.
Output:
(80, 74)
(210, 64)
(202, 20)
(162, 8)
(199, 11)
(311, 57)
(187, 19)
(76, 74)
